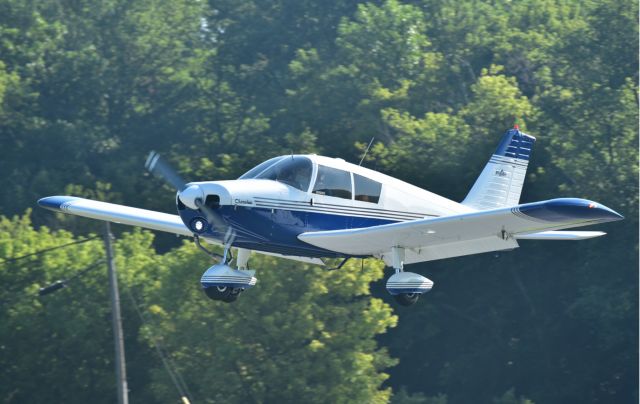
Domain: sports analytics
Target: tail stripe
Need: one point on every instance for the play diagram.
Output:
(498, 160)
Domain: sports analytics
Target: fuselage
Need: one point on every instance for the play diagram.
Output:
(272, 204)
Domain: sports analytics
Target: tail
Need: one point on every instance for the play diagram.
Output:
(500, 183)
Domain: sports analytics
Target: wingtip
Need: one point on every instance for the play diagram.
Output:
(611, 214)
(567, 209)
(54, 202)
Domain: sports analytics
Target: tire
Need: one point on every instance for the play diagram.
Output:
(218, 293)
(233, 296)
(407, 299)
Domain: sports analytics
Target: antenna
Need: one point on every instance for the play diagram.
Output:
(366, 151)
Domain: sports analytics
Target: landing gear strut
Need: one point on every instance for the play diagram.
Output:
(405, 287)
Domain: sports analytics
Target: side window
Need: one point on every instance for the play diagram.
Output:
(366, 190)
(333, 182)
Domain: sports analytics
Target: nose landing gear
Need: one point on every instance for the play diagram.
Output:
(223, 283)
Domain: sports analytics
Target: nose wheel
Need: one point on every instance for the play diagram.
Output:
(221, 282)
(223, 293)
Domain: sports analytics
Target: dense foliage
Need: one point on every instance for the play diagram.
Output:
(88, 88)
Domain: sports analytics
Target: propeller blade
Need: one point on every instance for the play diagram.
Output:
(213, 217)
(157, 166)
(230, 236)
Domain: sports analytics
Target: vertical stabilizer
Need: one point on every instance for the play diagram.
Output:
(500, 183)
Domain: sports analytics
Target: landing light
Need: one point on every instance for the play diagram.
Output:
(198, 225)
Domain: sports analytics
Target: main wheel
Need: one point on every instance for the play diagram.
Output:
(232, 296)
(407, 299)
(219, 293)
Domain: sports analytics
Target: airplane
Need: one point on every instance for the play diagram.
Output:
(310, 207)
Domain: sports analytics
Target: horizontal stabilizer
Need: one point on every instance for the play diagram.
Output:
(560, 235)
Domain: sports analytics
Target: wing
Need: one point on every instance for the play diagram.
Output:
(147, 219)
(468, 233)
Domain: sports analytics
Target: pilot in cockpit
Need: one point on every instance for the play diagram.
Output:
(296, 175)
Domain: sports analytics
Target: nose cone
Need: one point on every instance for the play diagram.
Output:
(189, 195)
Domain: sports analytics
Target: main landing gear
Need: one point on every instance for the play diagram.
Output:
(405, 287)
(221, 282)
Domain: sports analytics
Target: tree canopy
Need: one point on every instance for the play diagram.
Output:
(88, 88)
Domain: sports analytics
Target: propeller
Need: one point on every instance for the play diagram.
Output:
(159, 167)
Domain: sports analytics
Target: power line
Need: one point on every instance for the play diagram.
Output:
(59, 284)
(62, 284)
(174, 375)
(46, 250)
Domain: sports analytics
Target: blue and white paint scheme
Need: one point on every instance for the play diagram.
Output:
(309, 207)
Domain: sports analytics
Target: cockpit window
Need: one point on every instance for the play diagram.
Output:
(333, 182)
(260, 168)
(366, 190)
(294, 171)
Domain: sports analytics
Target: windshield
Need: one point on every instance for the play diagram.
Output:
(294, 171)
(259, 168)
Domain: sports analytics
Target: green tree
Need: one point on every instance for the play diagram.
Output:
(382, 59)
(301, 334)
(59, 347)
(86, 89)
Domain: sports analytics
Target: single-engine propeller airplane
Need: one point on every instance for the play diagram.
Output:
(309, 207)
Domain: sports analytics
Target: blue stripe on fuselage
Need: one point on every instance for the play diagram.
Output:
(277, 230)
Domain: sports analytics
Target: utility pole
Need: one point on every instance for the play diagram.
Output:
(121, 372)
